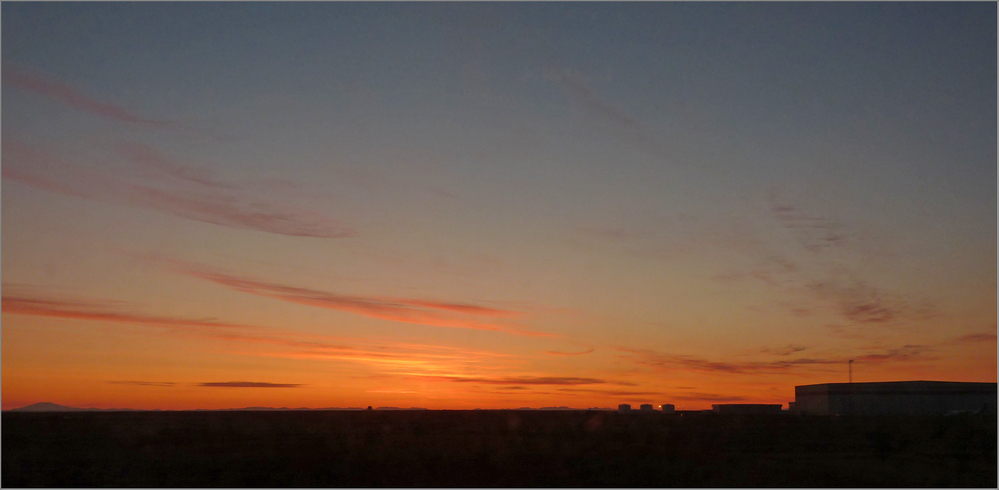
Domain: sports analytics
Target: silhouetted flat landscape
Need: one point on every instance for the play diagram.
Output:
(493, 448)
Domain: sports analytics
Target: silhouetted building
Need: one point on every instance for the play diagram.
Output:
(624, 407)
(668, 408)
(744, 408)
(646, 407)
(895, 397)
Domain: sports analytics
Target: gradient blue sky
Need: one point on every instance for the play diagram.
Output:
(474, 204)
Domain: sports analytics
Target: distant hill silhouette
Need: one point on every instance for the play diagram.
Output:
(54, 407)
(49, 407)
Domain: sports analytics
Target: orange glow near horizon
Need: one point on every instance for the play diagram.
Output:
(315, 371)
(381, 204)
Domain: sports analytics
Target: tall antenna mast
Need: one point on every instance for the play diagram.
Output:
(850, 364)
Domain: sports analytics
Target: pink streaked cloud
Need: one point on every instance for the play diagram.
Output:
(163, 168)
(22, 305)
(415, 311)
(675, 362)
(711, 397)
(151, 180)
(815, 233)
(784, 351)
(247, 384)
(616, 119)
(156, 384)
(20, 79)
(580, 353)
(625, 393)
(385, 356)
(262, 341)
(526, 380)
(904, 353)
(976, 338)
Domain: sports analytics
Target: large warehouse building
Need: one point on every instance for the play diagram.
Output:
(897, 397)
(745, 408)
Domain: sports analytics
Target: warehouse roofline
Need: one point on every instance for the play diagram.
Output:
(898, 388)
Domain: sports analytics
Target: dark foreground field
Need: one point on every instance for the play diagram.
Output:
(493, 448)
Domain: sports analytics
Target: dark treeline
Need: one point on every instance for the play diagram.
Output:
(493, 449)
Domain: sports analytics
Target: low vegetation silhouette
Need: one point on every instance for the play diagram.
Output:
(493, 448)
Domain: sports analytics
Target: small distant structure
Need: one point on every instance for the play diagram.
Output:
(624, 408)
(646, 407)
(668, 408)
(746, 408)
(895, 398)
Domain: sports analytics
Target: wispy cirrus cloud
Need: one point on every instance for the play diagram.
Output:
(611, 232)
(700, 364)
(861, 303)
(580, 353)
(815, 233)
(96, 311)
(159, 167)
(149, 179)
(975, 338)
(784, 351)
(586, 96)
(159, 384)
(415, 311)
(710, 397)
(666, 361)
(21, 79)
(609, 392)
(662, 395)
(262, 341)
(527, 380)
(247, 384)
(623, 124)
(904, 353)
(815, 271)
(389, 357)
(42, 169)
(647, 242)
(858, 302)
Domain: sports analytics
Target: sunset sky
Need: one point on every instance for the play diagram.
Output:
(220, 205)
